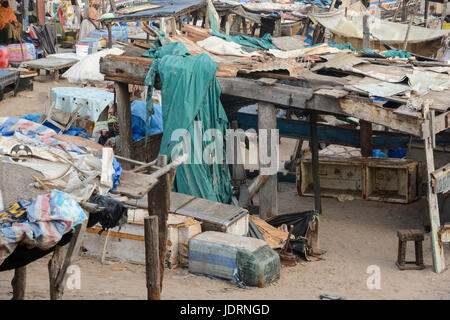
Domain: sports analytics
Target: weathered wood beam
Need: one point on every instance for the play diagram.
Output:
(440, 179)
(433, 209)
(134, 70)
(276, 94)
(384, 116)
(268, 195)
(159, 205)
(124, 113)
(125, 69)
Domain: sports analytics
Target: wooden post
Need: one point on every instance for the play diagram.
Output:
(433, 209)
(314, 144)
(405, 43)
(57, 268)
(268, 197)
(365, 138)
(108, 26)
(40, 8)
(54, 266)
(237, 167)
(124, 113)
(152, 263)
(113, 5)
(18, 283)
(366, 32)
(405, 10)
(426, 13)
(159, 205)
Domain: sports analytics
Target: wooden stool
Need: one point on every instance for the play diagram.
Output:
(410, 235)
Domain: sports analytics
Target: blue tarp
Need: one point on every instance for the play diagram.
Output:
(138, 113)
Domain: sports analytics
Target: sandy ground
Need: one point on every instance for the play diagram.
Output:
(355, 235)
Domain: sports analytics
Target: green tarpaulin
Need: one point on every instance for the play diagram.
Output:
(191, 101)
(264, 43)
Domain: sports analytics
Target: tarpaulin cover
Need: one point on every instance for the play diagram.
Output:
(351, 27)
(190, 92)
(264, 43)
(138, 122)
(302, 223)
(46, 220)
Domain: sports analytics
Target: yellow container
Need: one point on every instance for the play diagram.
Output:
(70, 38)
(446, 25)
(103, 43)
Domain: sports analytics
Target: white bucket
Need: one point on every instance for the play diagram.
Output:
(82, 49)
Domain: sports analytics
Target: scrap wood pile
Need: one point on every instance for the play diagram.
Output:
(394, 78)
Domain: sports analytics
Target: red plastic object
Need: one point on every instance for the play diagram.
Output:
(4, 57)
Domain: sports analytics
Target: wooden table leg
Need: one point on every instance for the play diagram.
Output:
(19, 283)
(159, 204)
(152, 263)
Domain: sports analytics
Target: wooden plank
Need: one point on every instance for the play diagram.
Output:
(433, 209)
(135, 185)
(440, 179)
(440, 123)
(276, 94)
(126, 69)
(386, 117)
(268, 194)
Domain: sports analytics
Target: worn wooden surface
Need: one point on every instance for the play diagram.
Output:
(125, 69)
(440, 179)
(135, 185)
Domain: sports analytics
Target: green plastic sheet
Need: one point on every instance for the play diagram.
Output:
(191, 96)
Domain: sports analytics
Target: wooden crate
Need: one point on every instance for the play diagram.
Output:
(380, 179)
